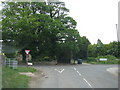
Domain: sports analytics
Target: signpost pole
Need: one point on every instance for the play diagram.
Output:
(27, 55)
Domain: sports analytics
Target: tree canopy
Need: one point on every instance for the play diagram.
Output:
(44, 28)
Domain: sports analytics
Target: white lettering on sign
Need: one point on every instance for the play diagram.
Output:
(103, 59)
(27, 51)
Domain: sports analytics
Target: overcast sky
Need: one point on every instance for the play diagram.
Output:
(96, 19)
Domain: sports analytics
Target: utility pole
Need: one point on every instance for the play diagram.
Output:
(117, 32)
(118, 39)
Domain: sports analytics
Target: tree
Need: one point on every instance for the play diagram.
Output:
(40, 28)
(112, 49)
(100, 48)
(67, 45)
(92, 50)
(83, 48)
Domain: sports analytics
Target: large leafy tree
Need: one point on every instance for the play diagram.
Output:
(44, 28)
(92, 50)
(83, 48)
(68, 45)
(112, 49)
(101, 49)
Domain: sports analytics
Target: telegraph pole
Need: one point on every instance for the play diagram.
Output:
(117, 32)
(118, 39)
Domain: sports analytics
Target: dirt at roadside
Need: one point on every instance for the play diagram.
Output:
(37, 78)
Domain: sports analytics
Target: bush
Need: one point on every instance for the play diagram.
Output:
(111, 60)
(46, 58)
(11, 55)
(109, 57)
(91, 59)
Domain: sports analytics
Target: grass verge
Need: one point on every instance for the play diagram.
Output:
(0, 77)
(103, 62)
(12, 79)
(25, 69)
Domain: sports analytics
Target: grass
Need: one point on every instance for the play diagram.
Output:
(12, 79)
(0, 77)
(25, 69)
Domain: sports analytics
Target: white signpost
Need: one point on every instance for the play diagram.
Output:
(27, 58)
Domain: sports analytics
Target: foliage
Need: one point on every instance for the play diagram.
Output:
(101, 49)
(111, 60)
(46, 30)
(105, 62)
(109, 57)
(112, 49)
(92, 50)
(83, 44)
(25, 69)
(91, 59)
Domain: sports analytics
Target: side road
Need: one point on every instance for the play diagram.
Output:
(113, 70)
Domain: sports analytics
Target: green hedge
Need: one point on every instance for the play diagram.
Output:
(91, 59)
(109, 57)
(111, 60)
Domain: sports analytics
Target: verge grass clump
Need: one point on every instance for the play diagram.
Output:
(12, 79)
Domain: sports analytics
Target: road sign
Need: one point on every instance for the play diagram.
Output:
(27, 52)
(103, 59)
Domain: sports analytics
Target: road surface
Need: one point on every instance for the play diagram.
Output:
(75, 76)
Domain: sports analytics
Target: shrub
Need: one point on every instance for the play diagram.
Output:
(11, 55)
(90, 59)
(111, 60)
(109, 57)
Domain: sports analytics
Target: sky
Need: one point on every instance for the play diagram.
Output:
(96, 19)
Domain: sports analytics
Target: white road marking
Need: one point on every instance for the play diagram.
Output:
(83, 78)
(57, 70)
(79, 73)
(113, 70)
(74, 68)
(87, 82)
(60, 70)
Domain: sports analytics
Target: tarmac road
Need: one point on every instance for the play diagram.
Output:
(75, 76)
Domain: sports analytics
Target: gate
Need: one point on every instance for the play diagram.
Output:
(11, 62)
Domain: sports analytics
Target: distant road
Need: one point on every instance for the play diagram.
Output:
(75, 76)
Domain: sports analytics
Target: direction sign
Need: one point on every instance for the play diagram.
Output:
(27, 52)
(103, 59)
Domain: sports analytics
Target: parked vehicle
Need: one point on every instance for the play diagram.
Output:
(79, 61)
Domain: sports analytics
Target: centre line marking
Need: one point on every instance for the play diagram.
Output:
(79, 73)
(87, 82)
(74, 68)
